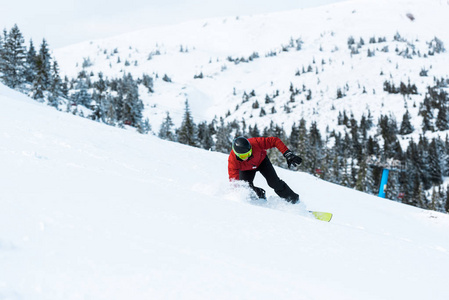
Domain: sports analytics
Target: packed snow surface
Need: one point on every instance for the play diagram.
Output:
(90, 211)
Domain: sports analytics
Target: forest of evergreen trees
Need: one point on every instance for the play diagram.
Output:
(342, 157)
(114, 101)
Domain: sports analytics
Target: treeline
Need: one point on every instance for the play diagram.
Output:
(408, 50)
(341, 156)
(34, 72)
(28, 70)
(112, 101)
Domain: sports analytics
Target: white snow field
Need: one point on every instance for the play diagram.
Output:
(208, 44)
(89, 211)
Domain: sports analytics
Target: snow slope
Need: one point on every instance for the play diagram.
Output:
(207, 46)
(89, 211)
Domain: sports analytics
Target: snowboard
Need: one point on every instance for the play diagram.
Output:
(322, 216)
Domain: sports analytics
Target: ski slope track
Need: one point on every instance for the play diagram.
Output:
(90, 211)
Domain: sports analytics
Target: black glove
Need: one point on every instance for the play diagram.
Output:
(292, 159)
(259, 192)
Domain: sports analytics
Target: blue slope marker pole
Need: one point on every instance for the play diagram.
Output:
(383, 183)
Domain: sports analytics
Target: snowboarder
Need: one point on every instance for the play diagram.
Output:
(250, 155)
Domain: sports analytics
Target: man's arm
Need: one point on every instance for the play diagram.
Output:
(271, 142)
(234, 173)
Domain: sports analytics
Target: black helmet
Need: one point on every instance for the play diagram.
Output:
(242, 148)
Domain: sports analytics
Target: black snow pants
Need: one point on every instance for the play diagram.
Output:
(279, 186)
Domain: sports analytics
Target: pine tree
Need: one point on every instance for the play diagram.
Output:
(213, 125)
(344, 169)
(254, 131)
(422, 198)
(364, 128)
(187, 133)
(269, 131)
(13, 57)
(406, 125)
(388, 130)
(55, 87)
(314, 144)
(147, 81)
(165, 131)
(42, 73)
(38, 88)
(293, 138)
(301, 143)
(145, 127)
(424, 164)
(441, 122)
(132, 106)
(335, 175)
(81, 95)
(44, 68)
(426, 113)
(433, 200)
(326, 161)
(370, 179)
(110, 105)
(435, 173)
(361, 183)
(356, 147)
(205, 136)
(412, 177)
(65, 87)
(99, 96)
(223, 143)
(280, 132)
(31, 61)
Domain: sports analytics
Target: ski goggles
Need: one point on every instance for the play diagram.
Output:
(244, 156)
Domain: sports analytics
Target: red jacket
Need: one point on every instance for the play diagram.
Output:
(260, 146)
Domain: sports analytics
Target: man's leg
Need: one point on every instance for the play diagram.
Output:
(279, 186)
(248, 176)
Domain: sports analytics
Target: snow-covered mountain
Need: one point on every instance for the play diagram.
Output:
(215, 63)
(90, 211)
